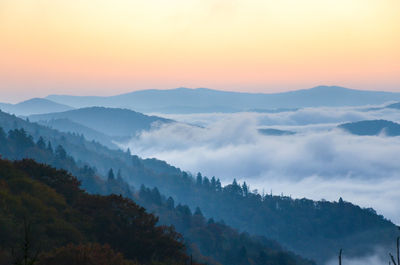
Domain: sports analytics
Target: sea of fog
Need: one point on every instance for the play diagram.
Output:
(320, 161)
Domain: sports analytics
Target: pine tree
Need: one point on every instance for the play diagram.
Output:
(170, 203)
(213, 183)
(111, 175)
(119, 175)
(199, 180)
(245, 189)
(198, 212)
(206, 183)
(49, 147)
(3, 136)
(156, 196)
(60, 152)
(218, 186)
(41, 144)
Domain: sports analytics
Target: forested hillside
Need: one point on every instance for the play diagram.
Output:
(42, 209)
(312, 229)
(215, 239)
(114, 122)
(207, 241)
(66, 125)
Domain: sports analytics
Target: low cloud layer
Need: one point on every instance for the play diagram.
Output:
(305, 116)
(318, 162)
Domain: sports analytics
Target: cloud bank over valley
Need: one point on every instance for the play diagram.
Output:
(320, 161)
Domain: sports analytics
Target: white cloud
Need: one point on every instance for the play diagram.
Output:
(318, 162)
(305, 116)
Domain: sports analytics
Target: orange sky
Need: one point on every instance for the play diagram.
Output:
(107, 47)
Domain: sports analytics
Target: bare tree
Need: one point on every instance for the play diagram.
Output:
(25, 255)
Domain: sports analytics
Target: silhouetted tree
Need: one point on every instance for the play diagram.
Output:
(25, 255)
(60, 152)
(119, 175)
(170, 203)
(156, 196)
(199, 180)
(206, 183)
(245, 189)
(41, 144)
(110, 175)
(218, 185)
(213, 183)
(49, 147)
(3, 136)
(198, 212)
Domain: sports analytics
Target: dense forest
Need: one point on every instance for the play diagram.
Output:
(42, 209)
(215, 239)
(208, 241)
(312, 229)
(315, 229)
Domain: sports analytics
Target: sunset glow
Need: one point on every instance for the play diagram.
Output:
(109, 47)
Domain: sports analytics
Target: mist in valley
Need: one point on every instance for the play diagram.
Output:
(319, 161)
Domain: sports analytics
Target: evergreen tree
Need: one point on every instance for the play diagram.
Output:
(20, 139)
(198, 212)
(156, 196)
(119, 175)
(3, 136)
(206, 183)
(242, 256)
(41, 144)
(49, 147)
(111, 175)
(61, 153)
(199, 180)
(262, 257)
(213, 183)
(245, 189)
(3, 142)
(170, 203)
(218, 186)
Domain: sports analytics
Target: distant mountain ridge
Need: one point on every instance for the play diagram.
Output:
(113, 122)
(185, 100)
(34, 106)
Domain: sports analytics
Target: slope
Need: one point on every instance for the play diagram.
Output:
(219, 244)
(315, 230)
(61, 213)
(121, 123)
(68, 126)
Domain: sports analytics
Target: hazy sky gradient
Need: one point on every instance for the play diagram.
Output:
(108, 47)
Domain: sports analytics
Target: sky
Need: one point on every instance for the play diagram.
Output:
(102, 47)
